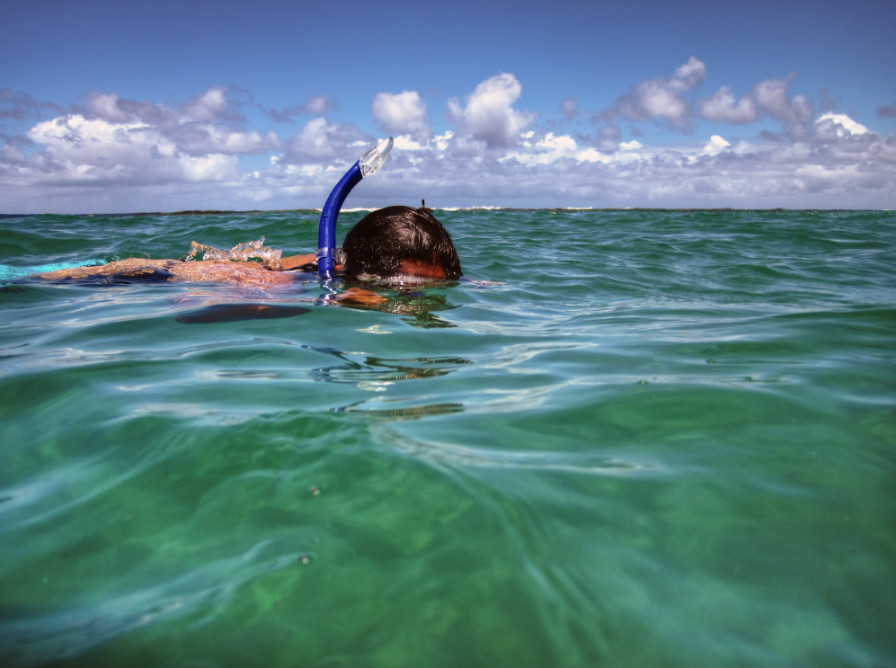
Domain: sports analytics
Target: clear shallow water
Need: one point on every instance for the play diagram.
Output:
(675, 446)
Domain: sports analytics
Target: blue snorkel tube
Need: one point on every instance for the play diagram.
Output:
(326, 232)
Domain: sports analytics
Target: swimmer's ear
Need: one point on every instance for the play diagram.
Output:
(234, 312)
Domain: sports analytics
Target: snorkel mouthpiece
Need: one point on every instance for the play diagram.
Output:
(369, 163)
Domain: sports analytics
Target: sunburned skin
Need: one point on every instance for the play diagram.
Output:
(414, 268)
(206, 271)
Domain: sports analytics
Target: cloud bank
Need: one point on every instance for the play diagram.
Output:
(114, 154)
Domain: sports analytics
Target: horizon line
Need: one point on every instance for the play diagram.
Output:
(317, 210)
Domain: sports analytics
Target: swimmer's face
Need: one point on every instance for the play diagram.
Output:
(421, 269)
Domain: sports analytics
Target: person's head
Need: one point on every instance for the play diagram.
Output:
(400, 240)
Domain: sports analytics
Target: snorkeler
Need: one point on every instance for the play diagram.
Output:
(388, 245)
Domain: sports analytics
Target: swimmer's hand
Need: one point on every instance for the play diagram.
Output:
(306, 262)
(360, 297)
(296, 261)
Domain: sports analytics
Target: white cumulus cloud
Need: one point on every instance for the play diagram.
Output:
(716, 145)
(209, 106)
(840, 126)
(691, 74)
(111, 107)
(489, 115)
(664, 99)
(722, 107)
(773, 98)
(322, 140)
(770, 98)
(105, 105)
(402, 113)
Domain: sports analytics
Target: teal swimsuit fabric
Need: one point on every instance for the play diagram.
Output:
(9, 273)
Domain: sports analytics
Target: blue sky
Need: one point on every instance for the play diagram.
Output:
(137, 106)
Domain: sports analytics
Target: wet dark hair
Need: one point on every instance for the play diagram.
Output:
(385, 238)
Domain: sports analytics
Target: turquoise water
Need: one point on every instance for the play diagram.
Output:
(627, 438)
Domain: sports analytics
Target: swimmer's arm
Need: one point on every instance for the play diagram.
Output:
(132, 268)
(297, 261)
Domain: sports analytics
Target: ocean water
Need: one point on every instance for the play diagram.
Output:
(626, 438)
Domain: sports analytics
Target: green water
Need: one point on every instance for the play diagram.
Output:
(627, 438)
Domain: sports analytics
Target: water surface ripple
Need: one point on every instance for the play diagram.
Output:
(627, 438)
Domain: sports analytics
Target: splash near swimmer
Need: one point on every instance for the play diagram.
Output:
(369, 163)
